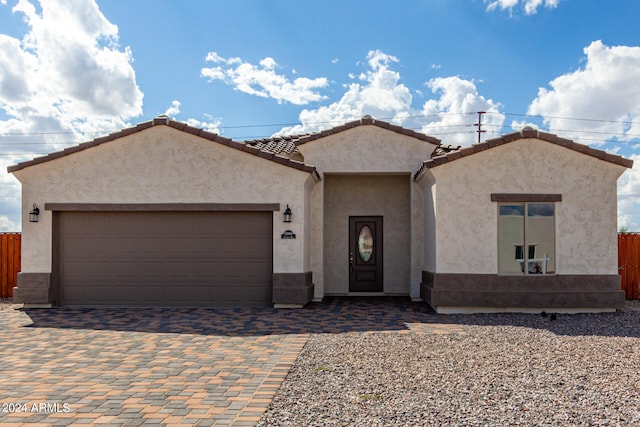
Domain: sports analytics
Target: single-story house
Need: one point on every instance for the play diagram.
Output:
(165, 214)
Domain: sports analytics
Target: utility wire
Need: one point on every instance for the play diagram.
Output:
(432, 130)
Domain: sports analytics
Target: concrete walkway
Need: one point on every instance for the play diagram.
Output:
(132, 367)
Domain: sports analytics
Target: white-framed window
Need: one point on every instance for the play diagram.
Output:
(530, 225)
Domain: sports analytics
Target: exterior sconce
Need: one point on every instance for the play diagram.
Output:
(33, 215)
(287, 214)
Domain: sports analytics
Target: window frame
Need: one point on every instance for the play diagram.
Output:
(525, 200)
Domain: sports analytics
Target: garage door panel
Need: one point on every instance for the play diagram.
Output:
(165, 258)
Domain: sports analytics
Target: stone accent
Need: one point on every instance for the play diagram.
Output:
(292, 289)
(544, 291)
(33, 288)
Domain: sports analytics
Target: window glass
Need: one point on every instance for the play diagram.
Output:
(510, 236)
(365, 243)
(531, 226)
(540, 232)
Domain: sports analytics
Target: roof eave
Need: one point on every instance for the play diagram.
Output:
(526, 133)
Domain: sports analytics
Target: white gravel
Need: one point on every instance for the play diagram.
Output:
(505, 370)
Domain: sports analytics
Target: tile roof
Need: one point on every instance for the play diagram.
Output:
(366, 120)
(270, 151)
(441, 150)
(284, 145)
(525, 133)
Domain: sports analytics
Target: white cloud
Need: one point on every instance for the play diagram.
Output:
(335, 60)
(10, 198)
(530, 7)
(629, 196)
(8, 225)
(605, 91)
(263, 80)
(210, 126)
(174, 110)
(454, 113)
(381, 95)
(66, 76)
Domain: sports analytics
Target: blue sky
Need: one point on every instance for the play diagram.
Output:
(71, 70)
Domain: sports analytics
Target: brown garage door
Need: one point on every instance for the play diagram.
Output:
(164, 258)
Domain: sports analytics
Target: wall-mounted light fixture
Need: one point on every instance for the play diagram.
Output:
(33, 215)
(287, 214)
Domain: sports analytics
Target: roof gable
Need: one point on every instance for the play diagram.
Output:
(525, 133)
(183, 127)
(288, 144)
(366, 121)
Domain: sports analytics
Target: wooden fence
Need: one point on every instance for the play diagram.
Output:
(629, 263)
(9, 262)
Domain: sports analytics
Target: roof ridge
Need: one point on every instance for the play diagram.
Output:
(525, 133)
(364, 121)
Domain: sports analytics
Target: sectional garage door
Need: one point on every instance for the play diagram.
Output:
(164, 258)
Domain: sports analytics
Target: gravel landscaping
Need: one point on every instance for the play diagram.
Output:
(505, 369)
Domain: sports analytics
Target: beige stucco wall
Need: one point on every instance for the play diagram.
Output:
(417, 236)
(427, 185)
(164, 165)
(316, 238)
(585, 223)
(366, 149)
(372, 195)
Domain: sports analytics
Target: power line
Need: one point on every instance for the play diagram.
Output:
(417, 116)
(432, 129)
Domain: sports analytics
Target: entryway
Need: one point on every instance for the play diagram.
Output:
(366, 232)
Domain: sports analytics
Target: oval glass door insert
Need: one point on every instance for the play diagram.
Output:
(365, 243)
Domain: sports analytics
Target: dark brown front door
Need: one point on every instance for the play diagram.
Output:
(365, 254)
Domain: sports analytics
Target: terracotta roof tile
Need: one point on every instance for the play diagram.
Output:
(286, 157)
(366, 121)
(523, 134)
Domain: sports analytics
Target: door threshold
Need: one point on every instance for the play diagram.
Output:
(366, 294)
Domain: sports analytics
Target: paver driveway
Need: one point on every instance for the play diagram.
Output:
(145, 366)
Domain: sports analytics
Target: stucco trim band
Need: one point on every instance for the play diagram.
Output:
(549, 291)
(514, 197)
(144, 207)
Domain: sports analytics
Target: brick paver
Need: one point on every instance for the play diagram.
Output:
(115, 367)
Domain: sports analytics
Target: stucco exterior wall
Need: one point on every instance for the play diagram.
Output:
(418, 237)
(163, 165)
(585, 219)
(427, 185)
(366, 149)
(372, 195)
(316, 238)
